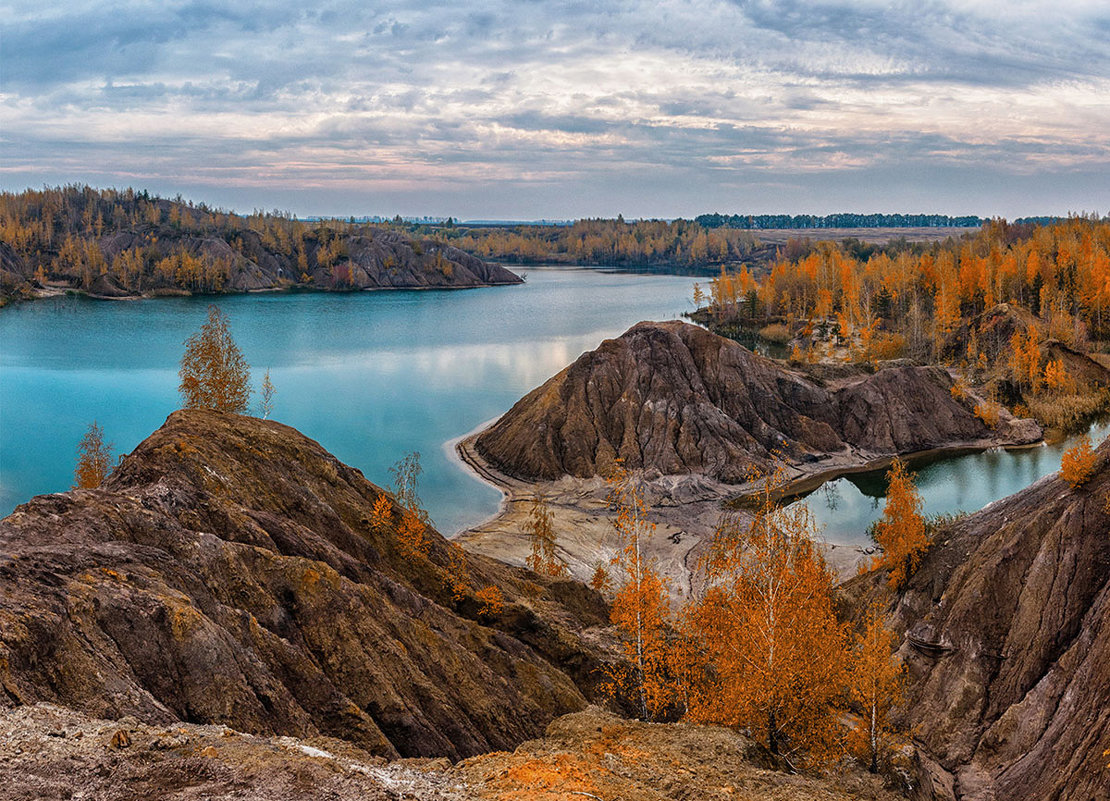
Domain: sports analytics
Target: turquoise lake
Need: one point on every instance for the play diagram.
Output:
(845, 507)
(370, 375)
(374, 375)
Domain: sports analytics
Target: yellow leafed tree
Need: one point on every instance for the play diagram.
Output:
(772, 652)
(94, 459)
(875, 684)
(901, 532)
(214, 374)
(543, 559)
(641, 605)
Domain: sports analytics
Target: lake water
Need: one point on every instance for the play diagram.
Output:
(374, 375)
(370, 375)
(845, 507)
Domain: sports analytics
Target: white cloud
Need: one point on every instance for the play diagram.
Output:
(387, 100)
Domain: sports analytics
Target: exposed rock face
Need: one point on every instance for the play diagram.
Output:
(674, 398)
(229, 572)
(371, 260)
(1007, 639)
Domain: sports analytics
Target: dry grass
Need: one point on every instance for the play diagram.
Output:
(1067, 412)
(775, 332)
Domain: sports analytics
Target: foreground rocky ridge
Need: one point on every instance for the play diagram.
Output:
(1007, 638)
(60, 754)
(229, 572)
(672, 398)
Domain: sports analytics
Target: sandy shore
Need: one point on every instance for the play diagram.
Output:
(685, 510)
(583, 521)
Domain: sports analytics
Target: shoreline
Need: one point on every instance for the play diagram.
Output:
(61, 292)
(582, 517)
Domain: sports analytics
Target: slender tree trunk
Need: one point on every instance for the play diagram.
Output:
(772, 739)
(874, 740)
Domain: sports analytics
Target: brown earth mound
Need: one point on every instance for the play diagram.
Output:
(1007, 638)
(674, 398)
(228, 572)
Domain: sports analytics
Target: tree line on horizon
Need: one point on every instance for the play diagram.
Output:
(840, 220)
(75, 233)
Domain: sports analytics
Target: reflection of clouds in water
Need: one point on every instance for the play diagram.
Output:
(947, 486)
(521, 364)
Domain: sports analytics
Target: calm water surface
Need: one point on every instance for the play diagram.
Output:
(370, 375)
(847, 506)
(374, 375)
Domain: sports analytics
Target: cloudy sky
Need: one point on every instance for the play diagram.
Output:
(565, 109)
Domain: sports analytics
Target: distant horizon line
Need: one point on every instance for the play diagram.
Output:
(952, 220)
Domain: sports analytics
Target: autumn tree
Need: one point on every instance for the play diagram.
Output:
(406, 474)
(458, 573)
(94, 459)
(381, 514)
(600, 580)
(266, 401)
(415, 520)
(901, 532)
(1078, 463)
(641, 605)
(492, 601)
(772, 652)
(875, 683)
(543, 559)
(214, 374)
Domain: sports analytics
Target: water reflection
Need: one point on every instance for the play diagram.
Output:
(369, 375)
(845, 507)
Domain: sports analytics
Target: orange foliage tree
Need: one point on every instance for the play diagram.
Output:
(901, 532)
(492, 601)
(641, 605)
(600, 579)
(1078, 463)
(543, 559)
(458, 574)
(773, 655)
(875, 684)
(214, 374)
(414, 521)
(94, 459)
(381, 513)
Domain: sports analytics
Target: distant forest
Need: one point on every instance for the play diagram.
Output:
(770, 221)
(117, 243)
(120, 242)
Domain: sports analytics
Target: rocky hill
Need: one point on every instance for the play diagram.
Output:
(674, 398)
(231, 572)
(365, 259)
(117, 244)
(1007, 637)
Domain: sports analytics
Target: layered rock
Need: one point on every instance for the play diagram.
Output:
(674, 398)
(230, 571)
(1006, 631)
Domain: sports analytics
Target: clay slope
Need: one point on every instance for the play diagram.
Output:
(1007, 638)
(674, 398)
(229, 572)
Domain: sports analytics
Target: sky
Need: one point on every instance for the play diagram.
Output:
(527, 110)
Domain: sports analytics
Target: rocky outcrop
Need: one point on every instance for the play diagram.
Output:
(674, 398)
(231, 571)
(368, 259)
(1006, 631)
